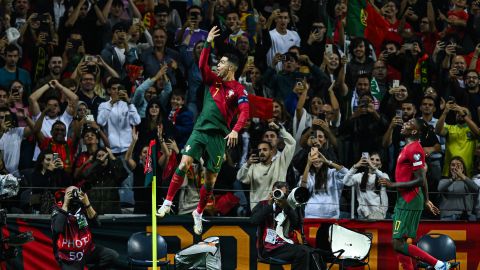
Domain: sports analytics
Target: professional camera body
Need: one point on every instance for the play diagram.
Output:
(9, 186)
(297, 197)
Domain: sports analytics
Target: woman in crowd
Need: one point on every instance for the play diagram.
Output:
(316, 116)
(334, 66)
(281, 116)
(393, 99)
(458, 193)
(324, 184)
(137, 162)
(48, 175)
(147, 130)
(103, 178)
(364, 175)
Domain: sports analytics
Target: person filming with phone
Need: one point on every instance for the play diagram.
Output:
(261, 171)
(460, 137)
(72, 239)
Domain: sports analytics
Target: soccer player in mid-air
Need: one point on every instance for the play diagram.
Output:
(223, 98)
(412, 186)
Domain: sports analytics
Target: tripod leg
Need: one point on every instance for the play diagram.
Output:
(318, 266)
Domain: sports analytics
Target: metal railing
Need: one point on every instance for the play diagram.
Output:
(22, 202)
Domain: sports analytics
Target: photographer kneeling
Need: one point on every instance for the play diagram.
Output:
(73, 245)
(276, 221)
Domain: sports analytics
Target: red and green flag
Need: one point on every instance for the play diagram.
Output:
(150, 164)
(151, 177)
(363, 20)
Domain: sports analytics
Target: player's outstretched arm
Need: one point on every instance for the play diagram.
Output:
(207, 75)
(416, 182)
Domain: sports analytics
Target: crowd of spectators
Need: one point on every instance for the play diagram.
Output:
(86, 85)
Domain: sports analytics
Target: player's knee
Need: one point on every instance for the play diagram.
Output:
(184, 165)
(397, 245)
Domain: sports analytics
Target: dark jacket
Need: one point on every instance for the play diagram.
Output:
(111, 58)
(101, 185)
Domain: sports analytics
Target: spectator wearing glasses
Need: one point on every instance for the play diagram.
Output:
(379, 80)
(473, 90)
(428, 30)
(87, 93)
(314, 46)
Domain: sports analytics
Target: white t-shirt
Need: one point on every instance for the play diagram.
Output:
(10, 145)
(281, 44)
(47, 124)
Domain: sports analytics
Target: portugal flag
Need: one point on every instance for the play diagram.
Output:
(364, 21)
(150, 163)
(260, 107)
(151, 177)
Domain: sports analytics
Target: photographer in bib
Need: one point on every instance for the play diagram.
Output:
(72, 239)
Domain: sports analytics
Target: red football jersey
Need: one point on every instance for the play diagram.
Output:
(410, 159)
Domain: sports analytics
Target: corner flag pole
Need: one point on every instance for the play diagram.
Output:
(154, 222)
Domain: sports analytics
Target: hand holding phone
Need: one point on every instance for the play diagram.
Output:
(329, 49)
(396, 83)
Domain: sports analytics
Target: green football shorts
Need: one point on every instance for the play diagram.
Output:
(212, 144)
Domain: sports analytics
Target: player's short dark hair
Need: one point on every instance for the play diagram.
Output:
(232, 59)
(422, 127)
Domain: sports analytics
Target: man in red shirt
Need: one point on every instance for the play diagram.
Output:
(412, 186)
(66, 149)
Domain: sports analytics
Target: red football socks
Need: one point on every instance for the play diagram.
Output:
(204, 195)
(175, 184)
(416, 252)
